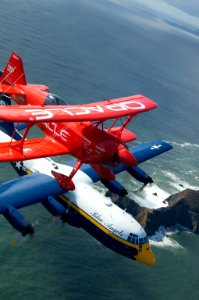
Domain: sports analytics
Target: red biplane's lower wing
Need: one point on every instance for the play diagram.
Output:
(29, 149)
(125, 135)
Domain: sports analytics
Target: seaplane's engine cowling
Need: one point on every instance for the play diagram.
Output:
(54, 207)
(18, 221)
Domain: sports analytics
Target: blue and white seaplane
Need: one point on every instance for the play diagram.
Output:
(84, 207)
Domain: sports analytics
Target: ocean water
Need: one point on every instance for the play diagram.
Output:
(88, 51)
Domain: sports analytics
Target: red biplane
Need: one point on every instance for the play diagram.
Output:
(78, 130)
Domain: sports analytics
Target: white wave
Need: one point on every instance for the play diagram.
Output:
(162, 238)
(185, 145)
(151, 197)
(178, 183)
(196, 178)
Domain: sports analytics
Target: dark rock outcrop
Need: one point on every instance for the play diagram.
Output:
(183, 209)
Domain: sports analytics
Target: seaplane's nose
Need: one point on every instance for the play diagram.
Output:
(147, 257)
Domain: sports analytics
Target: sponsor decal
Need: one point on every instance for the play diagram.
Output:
(10, 68)
(44, 114)
(57, 132)
(110, 226)
(9, 73)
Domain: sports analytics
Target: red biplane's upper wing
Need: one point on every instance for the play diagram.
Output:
(104, 110)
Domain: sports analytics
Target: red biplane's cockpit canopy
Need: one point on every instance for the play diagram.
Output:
(52, 99)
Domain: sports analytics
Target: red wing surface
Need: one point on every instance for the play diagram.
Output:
(29, 149)
(105, 110)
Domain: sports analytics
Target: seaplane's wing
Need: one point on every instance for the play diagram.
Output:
(25, 191)
(97, 111)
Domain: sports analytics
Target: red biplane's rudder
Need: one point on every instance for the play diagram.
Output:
(14, 71)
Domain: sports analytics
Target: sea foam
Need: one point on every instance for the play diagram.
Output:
(162, 238)
(185, 145)
(151, 197)
(178, 183)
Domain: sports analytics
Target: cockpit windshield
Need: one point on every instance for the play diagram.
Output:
(134, 239)
(53, 99)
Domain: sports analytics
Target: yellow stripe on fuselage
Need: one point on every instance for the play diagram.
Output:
(100, 226)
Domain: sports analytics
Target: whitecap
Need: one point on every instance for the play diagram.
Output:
(162, 238)
(185, 145)
(151, 197)
(178, 183)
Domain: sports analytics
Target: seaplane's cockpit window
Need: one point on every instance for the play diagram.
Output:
(133, 238)
(143, 240)
(53, 99)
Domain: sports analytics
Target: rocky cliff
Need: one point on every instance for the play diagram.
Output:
(183, 209)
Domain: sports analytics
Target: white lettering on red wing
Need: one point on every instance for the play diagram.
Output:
(81, 110)
(116, 107)
(96, 108)
(40, 114)
(69, 110)
(133, 105)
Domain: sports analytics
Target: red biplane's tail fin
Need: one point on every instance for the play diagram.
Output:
(14, 71)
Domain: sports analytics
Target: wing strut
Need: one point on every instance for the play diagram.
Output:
(20, 145)
(66, 181)
(119, 132)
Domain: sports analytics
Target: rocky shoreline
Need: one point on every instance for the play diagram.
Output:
(183, 209)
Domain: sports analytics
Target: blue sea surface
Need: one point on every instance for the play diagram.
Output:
(88, 51)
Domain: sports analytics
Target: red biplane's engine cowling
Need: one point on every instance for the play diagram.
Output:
(126, 157)
(123, 156)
